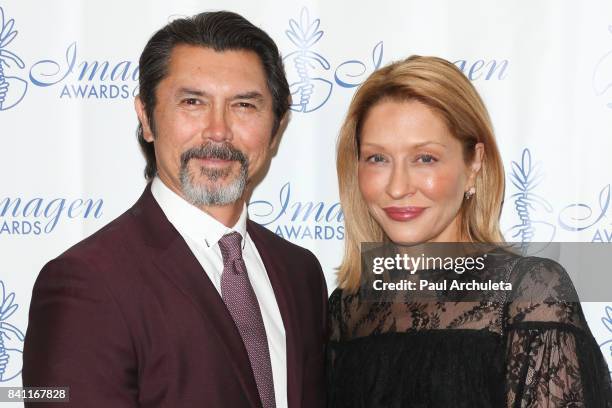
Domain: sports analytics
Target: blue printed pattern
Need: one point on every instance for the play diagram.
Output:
(526, 177)
(10, 358)
(310, 90)
(12, 89)
(309, 93)
(606, 346)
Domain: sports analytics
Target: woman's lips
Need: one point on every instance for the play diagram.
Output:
(403, 213)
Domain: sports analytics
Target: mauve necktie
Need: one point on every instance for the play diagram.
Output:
(242, 304)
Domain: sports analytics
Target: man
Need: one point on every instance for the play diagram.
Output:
(182, 301)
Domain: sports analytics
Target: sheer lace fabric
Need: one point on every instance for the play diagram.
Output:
(530, 348)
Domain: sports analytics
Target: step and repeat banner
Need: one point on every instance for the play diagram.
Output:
(70, 162)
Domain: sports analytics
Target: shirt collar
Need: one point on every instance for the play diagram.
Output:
(192, 222)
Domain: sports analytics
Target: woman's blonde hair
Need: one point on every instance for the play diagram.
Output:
(440, 85)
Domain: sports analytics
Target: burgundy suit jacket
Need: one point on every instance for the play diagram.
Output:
(128, 318)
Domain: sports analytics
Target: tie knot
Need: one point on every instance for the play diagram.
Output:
(231, 248)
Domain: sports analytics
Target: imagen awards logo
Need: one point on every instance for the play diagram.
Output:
(307, 69)
(11, 338)
(532, 227)
(12, 88)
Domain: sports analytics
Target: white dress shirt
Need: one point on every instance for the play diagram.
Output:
(202, 232)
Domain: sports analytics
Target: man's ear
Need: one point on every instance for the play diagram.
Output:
(144, 120)
(276, 137)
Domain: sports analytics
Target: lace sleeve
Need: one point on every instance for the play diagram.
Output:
(552, 359)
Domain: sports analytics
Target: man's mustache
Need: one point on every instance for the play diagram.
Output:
(220, 151)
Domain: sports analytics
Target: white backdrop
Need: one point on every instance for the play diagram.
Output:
(70, 162)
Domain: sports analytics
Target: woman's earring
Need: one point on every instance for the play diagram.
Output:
(468, 194)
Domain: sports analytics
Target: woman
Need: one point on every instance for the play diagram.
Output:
(417, 162)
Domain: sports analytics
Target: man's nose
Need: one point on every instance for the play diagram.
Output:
(218, 127)
(401, 182)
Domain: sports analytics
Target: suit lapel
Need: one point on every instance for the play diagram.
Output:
(278, 270)
(176, 261)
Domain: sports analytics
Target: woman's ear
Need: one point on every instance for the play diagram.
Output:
(476, 164)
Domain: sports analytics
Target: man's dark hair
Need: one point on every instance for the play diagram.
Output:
(220, 31)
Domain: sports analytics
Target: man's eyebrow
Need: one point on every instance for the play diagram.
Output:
(249, 95)
(191, 91)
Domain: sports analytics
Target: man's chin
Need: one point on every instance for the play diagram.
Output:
(212, 181)
(208, 185)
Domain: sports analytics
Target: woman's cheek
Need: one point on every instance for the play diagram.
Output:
(441, 184)
(372, 183)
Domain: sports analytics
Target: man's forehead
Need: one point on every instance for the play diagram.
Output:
(190, 64)
(200, 57)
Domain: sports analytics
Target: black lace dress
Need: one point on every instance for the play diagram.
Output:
(531, 349)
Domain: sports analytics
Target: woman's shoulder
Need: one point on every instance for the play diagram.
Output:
(342, 303)
(343, 294)
(339, 297)
(336, 293)
(335, 299)
(544, 292)
(531, 274)
(536, 277)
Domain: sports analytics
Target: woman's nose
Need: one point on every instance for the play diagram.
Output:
(400, 183)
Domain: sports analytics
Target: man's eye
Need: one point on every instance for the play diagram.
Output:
(245, 105)
(191, 101)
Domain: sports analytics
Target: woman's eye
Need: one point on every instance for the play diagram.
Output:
(376, 158)
(427, 158)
